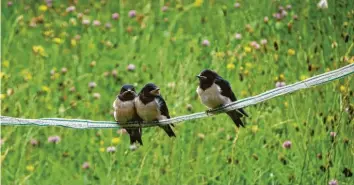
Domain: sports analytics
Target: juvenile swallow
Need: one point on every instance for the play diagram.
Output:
(214, 92)
(150, 106)
(124, 111)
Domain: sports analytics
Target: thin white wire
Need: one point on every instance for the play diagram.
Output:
(86, 124)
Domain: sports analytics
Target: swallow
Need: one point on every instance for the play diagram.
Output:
(214, 92)
(150, 106)
(124, 111)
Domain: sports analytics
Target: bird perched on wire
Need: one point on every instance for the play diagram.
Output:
(214, 92)
(124, 111)
(150, 106)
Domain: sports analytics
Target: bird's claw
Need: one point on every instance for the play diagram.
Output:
(208, 112)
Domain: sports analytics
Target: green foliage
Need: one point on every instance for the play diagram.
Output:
(47, 64)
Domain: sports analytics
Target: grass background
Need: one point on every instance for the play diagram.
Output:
(166, 48)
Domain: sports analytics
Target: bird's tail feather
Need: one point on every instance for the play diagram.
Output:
(168, 130)
(135, 135)
(236, 117)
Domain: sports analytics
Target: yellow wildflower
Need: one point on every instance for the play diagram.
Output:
(30, 168)
(73, 42)
(249, 65)
(243, 93)
(2, 96)
(101, 142)
(276, 57)
(286, 104)
(230, 66)
(45, 89)
(115, 140)
(245, 72)
(254, 129)
(351, 60)
(220, 54)
(247, 49)
(49, 33)
(38, 50)
(6, 63)
(43, 8)
(198, 3)
(58, 40)
(282, 77)
(342, 89)
(101, 149)
(241, 68)
(26, 75)
(291, 52)
(303, 77)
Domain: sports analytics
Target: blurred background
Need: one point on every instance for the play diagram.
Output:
(69, 59)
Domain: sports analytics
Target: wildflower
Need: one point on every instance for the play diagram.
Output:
(96, 95)
(114, 73)
(108, 25)
(96, 23)
(9, 3)
(34, 142)
(333, 134)
(2, 96)
(93, 64)
(266, 19)
(85, 22)
(201, 135)
(288, 7)
(238, 36)
(73, 42)
(286, 104)
(280, 84)
(284, 13)
(264, 41)
(111, 149)
(291, 52)
(45, 88)
(322, 4)
(85, 165)
(121, 131)
(70, 9)
(295, 17)
(254, 129)
(205, 43)
(92, 85)
(64, 70)
(237, 5)
(303, 77)
(80, 15)
(115, 16)
(58, 40)
(115, 140)
(164, 8)
(287, 144)
(230, 66)
(133, 147)
(10, 91)
(171, 85)
(49, 3)
(198, 3)
(247, 49)
(342, 89)
(131, 67)
(54, 139)
(333, 182)
(2, 141)
(189, 107)
(132, 13)
(101, 149)
(38, 50)
(278, 16)
(43, 8)
(30, 168)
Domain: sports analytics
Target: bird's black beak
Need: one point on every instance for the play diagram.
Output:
(201, 77)
(155, 92)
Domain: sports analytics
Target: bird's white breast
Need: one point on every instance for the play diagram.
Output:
(150, 111)
(123, 110)
(211, 97)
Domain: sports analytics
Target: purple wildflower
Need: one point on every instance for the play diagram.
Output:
(54, 139)
(108, 25)
(280, 84)
(92, 85)
(164, 8)
(85, 165)
(49, 3)
(238, 36)
(287, 144)
(70, 9)
(111, 149)
(206, 43)
(96, 23)
(295, 17)
(85, 22)
(277, 16)
(132, 13)
(333, 134)
(333, 182)
(284, 13)
(264, 41)
(115, 16)
(131, 67)
(288, 7)
(34, 142)
(9, 3)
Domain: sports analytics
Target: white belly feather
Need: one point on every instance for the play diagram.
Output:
(211, 97)
(150, 111)
(123, 110)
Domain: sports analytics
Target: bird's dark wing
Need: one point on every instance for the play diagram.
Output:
(163, 107)
(227, 91)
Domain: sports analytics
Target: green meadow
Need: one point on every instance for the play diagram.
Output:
(69, 59)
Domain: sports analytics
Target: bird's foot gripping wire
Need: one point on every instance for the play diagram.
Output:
(209, 112)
